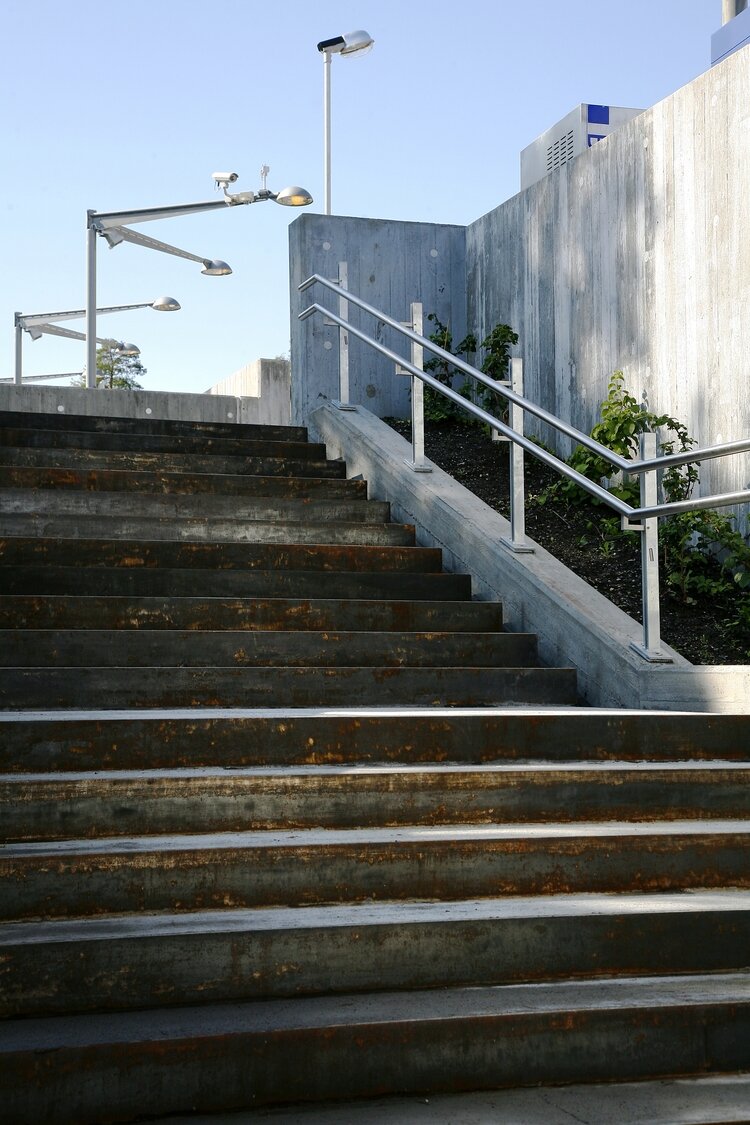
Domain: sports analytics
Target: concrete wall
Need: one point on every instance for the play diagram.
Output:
(636, 256)
(265, 389)
(390, 264)
(129, 404)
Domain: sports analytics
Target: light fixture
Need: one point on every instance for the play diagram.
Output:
(111, 226)
(45, 324)
(353, 42)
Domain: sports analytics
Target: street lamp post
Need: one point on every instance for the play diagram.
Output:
(110, 225)
(45, 324)
(352, 43)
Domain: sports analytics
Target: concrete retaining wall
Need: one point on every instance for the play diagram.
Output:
(268, 382)
(576, 626)
(390, 264)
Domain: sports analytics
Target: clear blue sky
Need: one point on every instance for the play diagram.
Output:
(131, 104)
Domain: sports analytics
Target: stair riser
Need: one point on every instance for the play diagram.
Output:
(81, 423)
(155, 443)
(100, 807)
(63, 977)
(85, 1085)
(89, 612)
(58, 884)
(255, 648)
(127, 483)
(52, 688)
(82, 553)
(288, 739)
(208, 529)
(81, 505)
(87, 460)
(233, 583)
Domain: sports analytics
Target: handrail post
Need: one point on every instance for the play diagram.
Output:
(517, 542)
(651, 649)
(417, 463)
(342, 403)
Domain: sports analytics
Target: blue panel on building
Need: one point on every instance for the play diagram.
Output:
(598, 115)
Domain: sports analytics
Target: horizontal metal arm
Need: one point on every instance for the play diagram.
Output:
(103, 220)
(38, 319)
(154, 244)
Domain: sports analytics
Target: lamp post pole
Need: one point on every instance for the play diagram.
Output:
(327, 132)
(90, 302)
(19, 353)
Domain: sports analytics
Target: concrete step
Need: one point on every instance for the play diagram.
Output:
(257, 446)
(172, 426)
(164, 583)
(81, 508)
(40, 741)
(89, 460)
(720, 1099)
(89, 612)
(28, 551)
(159, 960)
(125, 482)
(85, 1069)
(205, 529)
(87, 804)
(191, 648)
(117, 875)
(23, 689)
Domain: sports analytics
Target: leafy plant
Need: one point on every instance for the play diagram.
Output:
(496, 347)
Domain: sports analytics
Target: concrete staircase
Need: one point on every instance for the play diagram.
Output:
(287, 816)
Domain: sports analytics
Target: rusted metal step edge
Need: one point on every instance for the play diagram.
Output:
(144, 553)
(206, 529)
(78, 878)
(25, 437)
(80, 505)
(387, 583)
(205, 464)
(87, 805)
(158, 960)
(103, 648)
(41, 739)
(158, 482)
(30, 688)
(18, 611)
(100, 424)
(216, 1057)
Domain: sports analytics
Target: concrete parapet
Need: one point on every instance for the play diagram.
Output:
(576, 625)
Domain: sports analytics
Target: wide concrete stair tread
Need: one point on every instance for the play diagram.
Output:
(716, 1100)
(156, 960)
(232, 686)
(165, 648)
(125, 482)
(160, 462)
(256, 446)
(77, 878)
(225, 1056)
(48, 806)
(23, 550)
(41, 739)
(87, 506)
(92, 612)
(101, 424)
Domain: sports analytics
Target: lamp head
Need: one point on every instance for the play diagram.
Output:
(351, 43)
(214, 267)
(166, 304)
(294, 197)
(124, 349)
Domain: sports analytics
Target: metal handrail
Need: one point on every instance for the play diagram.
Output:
(643, 518)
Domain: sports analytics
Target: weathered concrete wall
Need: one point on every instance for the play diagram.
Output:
(265, 389)
(636, 255)
(390, 264)
(129, 404)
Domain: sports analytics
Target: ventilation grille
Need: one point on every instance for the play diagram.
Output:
(560, 152)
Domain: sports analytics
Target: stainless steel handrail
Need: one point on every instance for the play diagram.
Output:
(642, 519)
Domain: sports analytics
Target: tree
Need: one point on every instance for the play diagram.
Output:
(113, 369)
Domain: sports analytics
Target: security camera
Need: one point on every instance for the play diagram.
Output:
(222, 178)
